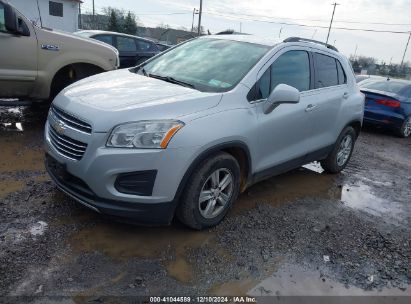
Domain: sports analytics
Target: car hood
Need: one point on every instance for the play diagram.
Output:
(111, 98)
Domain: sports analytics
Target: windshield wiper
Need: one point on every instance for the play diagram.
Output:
(172, 80)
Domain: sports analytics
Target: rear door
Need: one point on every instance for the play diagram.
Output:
(330, 91)
(18, 59)
(127, 49)
(145, 49)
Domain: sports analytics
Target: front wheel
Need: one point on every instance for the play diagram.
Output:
(405, 130)
(210, 192)
(338, 159)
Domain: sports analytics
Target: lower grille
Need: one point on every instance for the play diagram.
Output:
(67, 146)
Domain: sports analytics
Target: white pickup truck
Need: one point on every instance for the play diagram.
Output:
(37, 63)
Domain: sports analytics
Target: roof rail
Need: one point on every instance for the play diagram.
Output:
(299, 39)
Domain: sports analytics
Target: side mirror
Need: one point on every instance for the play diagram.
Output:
(10, 19)
(281, 94)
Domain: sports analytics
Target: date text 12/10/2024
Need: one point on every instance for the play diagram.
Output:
(205, 299)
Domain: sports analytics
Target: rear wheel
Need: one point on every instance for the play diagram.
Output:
(405, 130)
(210, 192)
(338, 159)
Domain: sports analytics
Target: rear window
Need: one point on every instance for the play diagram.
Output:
(390, 86)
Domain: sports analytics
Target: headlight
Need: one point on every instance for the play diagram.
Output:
(144, 134)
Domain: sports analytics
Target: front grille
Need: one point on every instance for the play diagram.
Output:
(67, 146)
(71, 121)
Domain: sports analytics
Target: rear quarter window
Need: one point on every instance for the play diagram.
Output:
(326, 71)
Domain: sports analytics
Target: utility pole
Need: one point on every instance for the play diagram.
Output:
(355, 52)
(79, 16)
(195, 11)
(331, 23)
(199, 17)
(406, 48)
(94, 17)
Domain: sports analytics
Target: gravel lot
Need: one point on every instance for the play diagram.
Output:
(346, 234)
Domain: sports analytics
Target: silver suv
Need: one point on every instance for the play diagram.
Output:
(188, 130)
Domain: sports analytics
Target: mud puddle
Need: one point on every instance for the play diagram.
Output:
(308, 181)
(362, 197)
(21, 147)
(293, 280)
(124, 242)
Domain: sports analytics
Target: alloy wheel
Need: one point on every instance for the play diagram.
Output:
(344, 151)
(216, 193)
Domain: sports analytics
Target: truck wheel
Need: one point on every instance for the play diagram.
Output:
(210, 192)
(405, 130)
(339, 157)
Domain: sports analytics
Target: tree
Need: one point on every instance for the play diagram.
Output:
(113, 22)
(130, 24)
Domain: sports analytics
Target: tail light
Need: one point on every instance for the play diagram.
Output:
(389, 103)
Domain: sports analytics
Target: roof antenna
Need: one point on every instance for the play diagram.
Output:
(38, 8)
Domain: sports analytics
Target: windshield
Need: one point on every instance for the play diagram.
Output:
(207, 64)
(390, 86)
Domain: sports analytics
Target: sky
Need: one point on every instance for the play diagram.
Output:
(263, 18)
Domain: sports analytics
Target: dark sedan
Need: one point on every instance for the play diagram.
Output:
(388, 104)
(132, 50)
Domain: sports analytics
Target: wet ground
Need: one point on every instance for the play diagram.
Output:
(301, 233)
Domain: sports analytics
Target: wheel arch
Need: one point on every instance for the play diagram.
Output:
(238, 149)
(357, 125)
(82, 69)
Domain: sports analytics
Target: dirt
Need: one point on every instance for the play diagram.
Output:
(301, 231)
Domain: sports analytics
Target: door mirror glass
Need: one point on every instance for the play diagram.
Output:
(281, 94)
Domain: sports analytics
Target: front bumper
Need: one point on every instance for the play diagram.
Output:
(91, 179)
(139, 213)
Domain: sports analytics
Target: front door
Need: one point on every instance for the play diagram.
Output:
(18, 59)
(284, 134)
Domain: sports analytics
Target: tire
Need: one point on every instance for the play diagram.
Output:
(194, 213)
(405, 130)
(339, 157)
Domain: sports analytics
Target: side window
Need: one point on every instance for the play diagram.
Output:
(125, 44)
(105, 38)
(143, 45)
(292, 68)
(55, 9)
(326, 68)
(342, 78)
(2, 19)
(263, 85)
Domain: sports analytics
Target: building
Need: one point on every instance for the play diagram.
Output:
(56, 14)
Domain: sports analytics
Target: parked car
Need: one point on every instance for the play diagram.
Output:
(388, 104)
(133, 50)
(361, 78)
(162, 47)
(37, 63)
(189, 129)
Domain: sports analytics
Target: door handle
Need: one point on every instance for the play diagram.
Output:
(346, 95)
(310, 108)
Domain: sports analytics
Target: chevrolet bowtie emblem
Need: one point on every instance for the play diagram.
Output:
(59, 127)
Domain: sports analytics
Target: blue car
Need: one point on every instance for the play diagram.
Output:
(388, 104)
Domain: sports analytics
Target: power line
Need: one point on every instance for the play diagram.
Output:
(311, 26)
(314, 20)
